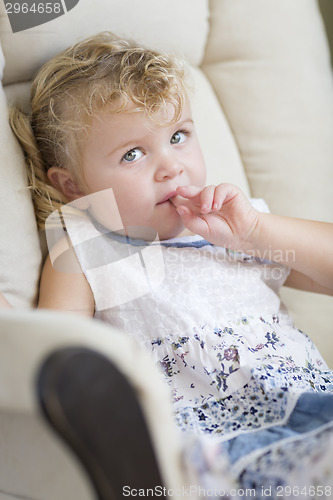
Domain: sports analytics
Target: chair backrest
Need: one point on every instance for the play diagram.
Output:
(154, 24)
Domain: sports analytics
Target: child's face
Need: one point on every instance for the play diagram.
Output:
(143, 163)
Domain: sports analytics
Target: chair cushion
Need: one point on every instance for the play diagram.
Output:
(165, 24)
(20, 254)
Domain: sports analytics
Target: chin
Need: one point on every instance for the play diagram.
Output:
(169, 228)
(167, 233)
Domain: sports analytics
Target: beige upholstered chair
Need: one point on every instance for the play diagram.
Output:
(70, 419)
(263, 104)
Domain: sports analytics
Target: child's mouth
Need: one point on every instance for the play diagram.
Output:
(166, 198)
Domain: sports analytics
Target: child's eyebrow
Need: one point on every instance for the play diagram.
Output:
(183, 122)
(126, 146)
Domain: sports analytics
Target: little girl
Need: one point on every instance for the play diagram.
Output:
(112, 153)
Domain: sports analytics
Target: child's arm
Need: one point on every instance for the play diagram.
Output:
(303, 245)
(224, 216)
(64, 287)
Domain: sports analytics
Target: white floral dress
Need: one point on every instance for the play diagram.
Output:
(237, 367)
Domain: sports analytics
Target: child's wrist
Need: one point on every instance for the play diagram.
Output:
(255, 237)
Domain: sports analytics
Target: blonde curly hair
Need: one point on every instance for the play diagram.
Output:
(72, 87)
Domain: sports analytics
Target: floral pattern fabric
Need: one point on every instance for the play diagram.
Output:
(226, 346)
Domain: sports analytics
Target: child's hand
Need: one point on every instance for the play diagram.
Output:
(221, 214)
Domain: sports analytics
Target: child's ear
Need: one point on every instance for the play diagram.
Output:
(64, 181)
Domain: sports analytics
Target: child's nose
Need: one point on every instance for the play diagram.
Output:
(168, 167)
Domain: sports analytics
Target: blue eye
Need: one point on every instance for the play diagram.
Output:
(132, 155)
(178, 137)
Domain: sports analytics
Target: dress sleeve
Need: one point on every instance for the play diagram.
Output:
(260, 205)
